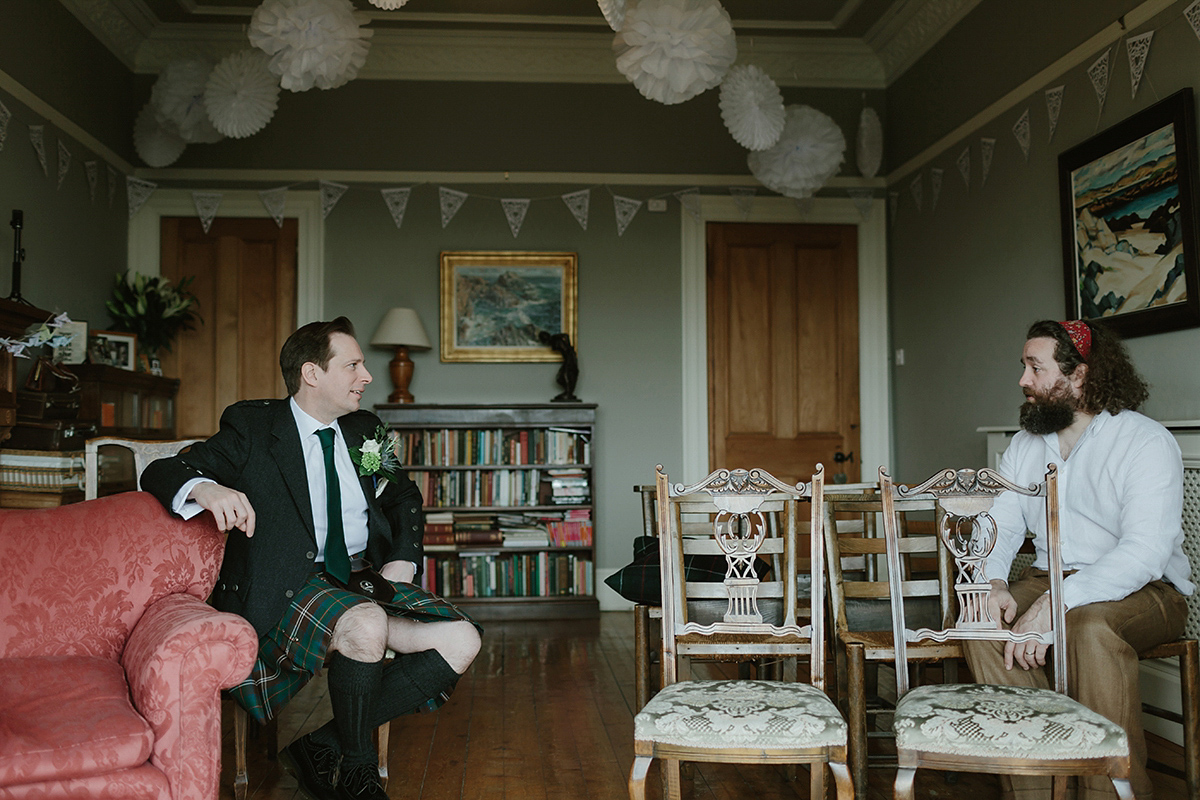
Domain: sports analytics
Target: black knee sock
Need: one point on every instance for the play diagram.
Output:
(354, 688)
(409, 681)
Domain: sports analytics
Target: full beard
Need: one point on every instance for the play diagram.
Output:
(1048, 412)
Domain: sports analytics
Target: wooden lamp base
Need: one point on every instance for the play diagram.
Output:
(401, 367)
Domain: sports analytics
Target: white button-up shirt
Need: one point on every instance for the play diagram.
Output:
(1121, 505)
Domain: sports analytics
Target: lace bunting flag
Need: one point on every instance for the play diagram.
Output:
(1021, 132)
(92, 170)
(112, 184)
(397, 203)
(330, 194)
(917, 189)
(689, 199)
(893, 203)
(64, 162)
(626, 208)
(514, 211)
(1098, 72)
(6, 115)
(37, 139)
(207, 204)
(935, 187)
(1137, 47)
(986, 148)
(862, 199)
(274, 201)
(743, 198)
(1054, 98)
(964, 165)
(137, 192)
(450, 201)
(1192, 13)
(578, 203)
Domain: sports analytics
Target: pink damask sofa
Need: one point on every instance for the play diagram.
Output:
(111, 664)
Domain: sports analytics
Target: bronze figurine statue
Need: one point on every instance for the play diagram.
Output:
(568, 373)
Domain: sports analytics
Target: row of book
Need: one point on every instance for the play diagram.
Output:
(508, 575)
(501, 487)
(495, 447)
(568, 528)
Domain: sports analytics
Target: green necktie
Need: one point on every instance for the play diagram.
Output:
(337, 561)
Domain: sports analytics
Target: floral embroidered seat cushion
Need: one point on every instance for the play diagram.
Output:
(1003, 722)
(718, 714)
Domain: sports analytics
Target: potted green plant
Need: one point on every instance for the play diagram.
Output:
(154, 309)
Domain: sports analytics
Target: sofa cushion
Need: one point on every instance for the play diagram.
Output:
(65, 717)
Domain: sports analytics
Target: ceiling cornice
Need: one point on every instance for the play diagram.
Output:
(146, 45)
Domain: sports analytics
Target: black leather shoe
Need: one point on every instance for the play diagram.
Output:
(360, 782)
(314, 767)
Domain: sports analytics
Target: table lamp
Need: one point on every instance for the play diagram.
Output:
(401, 328)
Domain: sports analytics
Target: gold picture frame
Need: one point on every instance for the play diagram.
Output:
(494, 304)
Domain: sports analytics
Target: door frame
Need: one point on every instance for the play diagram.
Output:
(145, 249)
(874, 373)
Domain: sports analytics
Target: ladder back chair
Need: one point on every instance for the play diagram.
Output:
(983, 727)
(762, 722)
(860, 604)
(145, 451)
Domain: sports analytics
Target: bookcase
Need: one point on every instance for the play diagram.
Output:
(509, 504)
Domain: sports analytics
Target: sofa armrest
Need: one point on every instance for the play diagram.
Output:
(180, 655)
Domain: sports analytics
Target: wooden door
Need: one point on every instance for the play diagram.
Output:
(245, 279)
(783, 349)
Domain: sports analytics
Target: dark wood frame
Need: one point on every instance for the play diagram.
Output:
(1178, 110)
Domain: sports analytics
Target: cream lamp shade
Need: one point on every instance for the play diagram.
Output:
(401, 328)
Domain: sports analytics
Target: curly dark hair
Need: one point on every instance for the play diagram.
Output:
(1112, 383)
(309, 343)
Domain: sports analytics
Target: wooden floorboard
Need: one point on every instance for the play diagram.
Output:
(546, 713)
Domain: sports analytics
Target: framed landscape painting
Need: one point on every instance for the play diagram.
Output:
(1128, 198)
(496, 305)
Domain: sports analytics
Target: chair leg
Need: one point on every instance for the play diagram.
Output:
(1058, 784)
(641, 655)
(637, 778)
(672, 784)
(1189, 664)
(1124, 789)
(816, 781)
(382, 734)
(857, 717)
(842, 780)
(241, 779)
(904, 783)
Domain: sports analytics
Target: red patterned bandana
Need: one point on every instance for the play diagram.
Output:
(1081, 336)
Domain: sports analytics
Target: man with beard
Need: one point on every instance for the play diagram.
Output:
(1121, 498)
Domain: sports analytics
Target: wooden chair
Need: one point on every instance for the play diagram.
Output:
(860, 604)
(759, 620)
(989, 728)
(643, 646)
(145, 451)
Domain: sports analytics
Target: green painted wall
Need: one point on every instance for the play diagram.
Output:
(969, 277)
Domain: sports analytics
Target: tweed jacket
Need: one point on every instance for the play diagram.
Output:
(257, 451)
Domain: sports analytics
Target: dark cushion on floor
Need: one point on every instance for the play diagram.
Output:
(641, 582)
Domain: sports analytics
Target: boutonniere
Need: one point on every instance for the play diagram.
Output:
(376, 457)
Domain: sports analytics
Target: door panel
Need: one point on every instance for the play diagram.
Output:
(783, 348)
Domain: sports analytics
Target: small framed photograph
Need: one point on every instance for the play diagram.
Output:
(497, 305)
(113, 348)
(75, 351)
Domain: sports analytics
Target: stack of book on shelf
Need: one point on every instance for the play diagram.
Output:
(492, 574)
(471, 528)
(572, 529)
(568, 486)
(523, 530)
(439, 530)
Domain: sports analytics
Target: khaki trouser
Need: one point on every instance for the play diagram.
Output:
(1103, 642)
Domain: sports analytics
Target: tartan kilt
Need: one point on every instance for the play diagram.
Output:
(292, 652)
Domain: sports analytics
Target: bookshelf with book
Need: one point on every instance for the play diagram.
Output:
(509, 504)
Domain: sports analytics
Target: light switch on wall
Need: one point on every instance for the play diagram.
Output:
(900, 357)
(656, 204)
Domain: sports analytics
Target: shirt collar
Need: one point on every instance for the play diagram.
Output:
(308, 425)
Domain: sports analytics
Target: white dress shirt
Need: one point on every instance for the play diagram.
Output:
(1121, 504)
(354, 502)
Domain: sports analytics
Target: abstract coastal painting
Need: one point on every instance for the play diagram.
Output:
(494, 305)
(1129, 222)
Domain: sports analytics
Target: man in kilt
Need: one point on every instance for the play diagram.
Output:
(280, 477)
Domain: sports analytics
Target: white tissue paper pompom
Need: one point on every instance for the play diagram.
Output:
(614, 12)
(178, 100)
(388, 5)
(870, 143)
(241, 94)
(806, 156)
(155, 146)
(752, 107)
(672, 50)
(311, 42)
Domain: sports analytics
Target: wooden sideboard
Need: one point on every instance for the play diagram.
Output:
(14, 319)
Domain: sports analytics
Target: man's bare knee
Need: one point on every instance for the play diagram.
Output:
(361, 633)
(459, 645)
